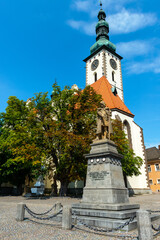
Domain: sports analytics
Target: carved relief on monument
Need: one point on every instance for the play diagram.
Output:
(98, 175)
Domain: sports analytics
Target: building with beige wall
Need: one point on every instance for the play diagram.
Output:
(153, 162)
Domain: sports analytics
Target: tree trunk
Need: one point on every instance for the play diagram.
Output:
(54, 187)
(27, 183)
(20, 189)
(63, 190)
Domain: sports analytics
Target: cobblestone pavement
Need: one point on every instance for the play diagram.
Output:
(32, 229)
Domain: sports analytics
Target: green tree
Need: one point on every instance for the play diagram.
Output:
(130, 163)
(51, 132)
(20, 158)
(65, 128)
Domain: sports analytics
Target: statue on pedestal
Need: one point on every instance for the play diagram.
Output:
(105, 201)
(104, 126)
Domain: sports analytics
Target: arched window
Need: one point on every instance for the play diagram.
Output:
(127, 130)
(113, 76)
(95, 76)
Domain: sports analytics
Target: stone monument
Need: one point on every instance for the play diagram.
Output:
(105, 201)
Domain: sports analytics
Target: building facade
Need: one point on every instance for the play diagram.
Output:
(153, 161)
(104, 74)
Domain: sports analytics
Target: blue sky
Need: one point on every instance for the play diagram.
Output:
(44, 40)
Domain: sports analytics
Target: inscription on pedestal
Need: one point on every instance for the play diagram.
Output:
(98, 175)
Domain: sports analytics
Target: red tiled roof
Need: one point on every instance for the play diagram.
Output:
(103, 87)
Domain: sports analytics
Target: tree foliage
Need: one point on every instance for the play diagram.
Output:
(19, 155)
(130, 163)
(66, 126)
(50, 132)
(53, 134)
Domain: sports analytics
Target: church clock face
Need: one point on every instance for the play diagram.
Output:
(95, 64)
(113, 64)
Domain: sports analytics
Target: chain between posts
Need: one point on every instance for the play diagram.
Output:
(42, 213)
(109, 230)
(154, 228)
(84, 224)
(157, 230)
(158, 211)
(40, 218)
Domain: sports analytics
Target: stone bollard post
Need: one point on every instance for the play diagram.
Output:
(67, 217)
(58, 207)
(20, 211)
(144, 225)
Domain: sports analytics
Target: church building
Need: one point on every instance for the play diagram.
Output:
(104, 74)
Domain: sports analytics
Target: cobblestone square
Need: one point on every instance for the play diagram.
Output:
(34, 229)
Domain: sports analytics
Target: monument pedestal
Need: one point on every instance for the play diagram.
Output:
(105, 201)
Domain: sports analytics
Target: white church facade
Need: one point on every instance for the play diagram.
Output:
(104, 74)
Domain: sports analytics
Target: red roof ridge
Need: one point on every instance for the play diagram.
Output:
(103, 87)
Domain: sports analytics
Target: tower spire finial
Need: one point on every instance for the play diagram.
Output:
(101, 4)
(102, 30)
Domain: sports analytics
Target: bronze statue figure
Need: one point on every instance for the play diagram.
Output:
(104, 126)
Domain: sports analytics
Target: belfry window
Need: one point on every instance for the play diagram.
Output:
(95, 76)
(113, 76)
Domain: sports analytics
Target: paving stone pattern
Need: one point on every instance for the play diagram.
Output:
(32, 229)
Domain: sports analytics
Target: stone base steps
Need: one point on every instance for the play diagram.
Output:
(106, 223)
(104, 219)
(105, 214)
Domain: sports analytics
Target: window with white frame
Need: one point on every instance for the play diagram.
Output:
(150, 181)
(157, 167)
(149, 168)
(158, 181)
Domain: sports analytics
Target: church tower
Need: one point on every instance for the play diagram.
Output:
(103, 73)
(103, 59)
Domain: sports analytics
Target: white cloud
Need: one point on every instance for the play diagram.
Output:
(134, 48)
(123, 22)
(149, 145)
(126, 21)
(87, 28)
(116, 6)
(75, 24)
(81, 5)
(87, 6)
(152, 65)
(92, 6)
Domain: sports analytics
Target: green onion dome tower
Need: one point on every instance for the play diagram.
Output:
(102, 30)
